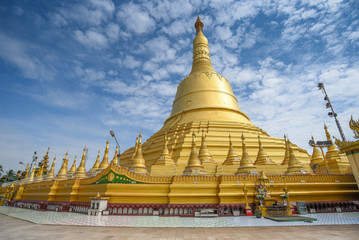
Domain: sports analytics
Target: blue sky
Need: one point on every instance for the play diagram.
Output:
(70, 71)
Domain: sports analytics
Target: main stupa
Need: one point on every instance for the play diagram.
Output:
(205, 105)
(208, 158)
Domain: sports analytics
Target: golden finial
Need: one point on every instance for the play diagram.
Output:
(199, 24)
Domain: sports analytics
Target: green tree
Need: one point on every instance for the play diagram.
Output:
(1, 170)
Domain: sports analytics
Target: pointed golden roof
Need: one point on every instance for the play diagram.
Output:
(115, 158)
(27, 171)
(332, 154)
(165, 158)
(96, 164)
(262, 157)
(204, 155)
(81, 170)
(72, 170)
(204, 94)
(62, 174)
(194, 165)
(130, 162)
(317, 156)
(32, 175)
(294, 165)
(232, 157)
(139, 165)
(246, 164)
(104, 164)
(51, 174)
(286, 152)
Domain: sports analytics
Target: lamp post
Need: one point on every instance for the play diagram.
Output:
(332, 113)
(34, 159)
(112, 133)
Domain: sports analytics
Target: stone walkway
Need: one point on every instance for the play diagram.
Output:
(66, 218)
(13, 229)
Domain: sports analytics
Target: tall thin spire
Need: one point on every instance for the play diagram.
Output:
(232, 157)
(72, 169)
(96, 165)
(204, 154)
(294, 165)
(51, 174)
(139, 165)
(32, 174)
(317, 156)
(194, 165)
(165, 158)
(81, 170)
(115, 158)
(286, 152)
(246, 164)
(62, 174)
(104, 164)
(262, 157)
(201, 57)
(130, 162)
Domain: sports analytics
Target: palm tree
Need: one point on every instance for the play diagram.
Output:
(11, 175)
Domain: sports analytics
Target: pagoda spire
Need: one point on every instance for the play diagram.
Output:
(32, 174)
(232, 157)
(115, 158)
(62, 174)
(201, 57)
(165, 158)
(294, 165)
(104, 164)
(262, 157)
(51, 174)
(72, 170)
(39, 176)
(286, 153)
(27, 171)
(130, 162)
(317, 156)
(96, 165)
(332, 154)
(246, 165)
(45, 161)
(204, 154)
(194, 165)
(81, 170)
(139, 165)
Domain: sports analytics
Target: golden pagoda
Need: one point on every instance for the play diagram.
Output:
(167, 175)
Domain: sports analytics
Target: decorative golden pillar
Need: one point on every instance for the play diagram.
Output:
(246, 165)
(194, 166)
(51, 174)
(96, 165)
(139, 165)
(81, 170)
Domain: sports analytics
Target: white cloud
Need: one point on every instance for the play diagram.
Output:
(113, 32)
(131, 62)
(91, 39)
(92, 12)
(19, 54)
(90, 76)
(136, 19)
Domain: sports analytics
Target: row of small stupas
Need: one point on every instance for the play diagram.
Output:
(318, 163)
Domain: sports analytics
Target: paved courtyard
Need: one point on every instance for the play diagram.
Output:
(44, 225)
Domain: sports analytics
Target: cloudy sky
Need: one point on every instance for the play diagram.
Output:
(70, 71)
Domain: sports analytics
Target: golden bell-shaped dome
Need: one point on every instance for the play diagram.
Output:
(205, 94)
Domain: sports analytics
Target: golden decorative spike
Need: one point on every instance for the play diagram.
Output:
(104, 164)
(165, 158)
(194, 166)
(62, 174)
(246, 165)
(354, 126)
(51, 174)
(130, 162)
(45, 162)
(232, 157)
(27, 172)
(96, 165)
(317, 156)
(81, 170)
(139, 165)
(262, 157)
(72, 170)
(204, 155)
(286, 153)
(115, 158)
(32, 174)
(294, 165)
